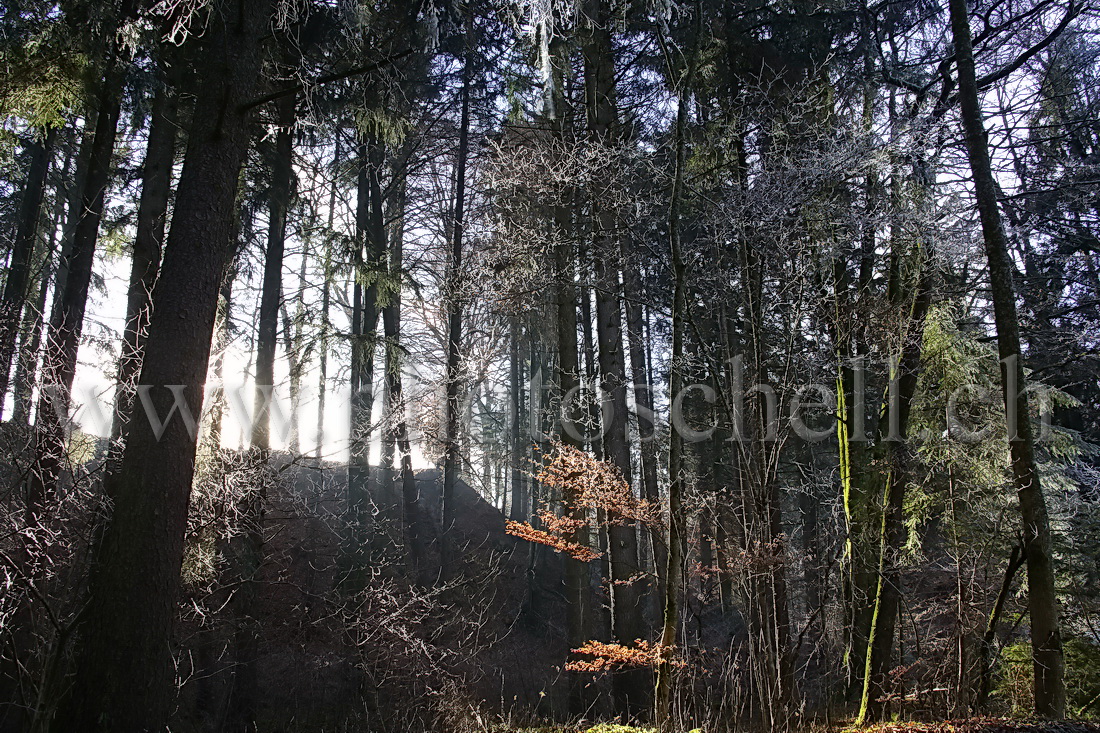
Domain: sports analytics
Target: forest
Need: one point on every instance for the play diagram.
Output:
(550, 366)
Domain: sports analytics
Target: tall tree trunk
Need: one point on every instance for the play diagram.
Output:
(39, 152)
(272, 287)
(248, 548)
(67, 318)
(899, 459)
(517, 510)
(600, 100)
(414, 522)
(326, 304)
(371, 234)
(392, 362)
(156, 179)
(136, 563)
(859, 571)
(859, 575)
(81, 168)
(643, 401)
(676, 469)
(454, 334)
(577, 585)
(26, 368)
(1046, 635)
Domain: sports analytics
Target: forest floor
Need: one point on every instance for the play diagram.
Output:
(972, 725)
(984, 725)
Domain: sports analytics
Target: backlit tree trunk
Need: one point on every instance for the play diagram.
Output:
(156, 178)
(136, 574)
(19, 267)
(600, 98)
(1046, 635)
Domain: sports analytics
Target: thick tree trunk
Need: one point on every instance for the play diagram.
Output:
(136, 565)
(1046, 635)
(156, 179)
(577, 586)
(414, 522)
(627, 625)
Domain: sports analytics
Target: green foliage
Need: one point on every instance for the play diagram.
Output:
(42, 80)
(388, 283)
(81, 447)
(959, 376)
(959, 425)
(389, 127)
(1015, 675)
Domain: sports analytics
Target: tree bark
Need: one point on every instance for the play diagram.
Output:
(371, 236)
(454, 334)
(899, 457)
(414, 522)
(643, 401)
(517, 510)
(271, 293)
(600, 99)
(136, 563)
(67, 318)
(676, 469)
(156, 179)
(26, 367)
(39, 152)
(248, 548)
(1046, 635)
